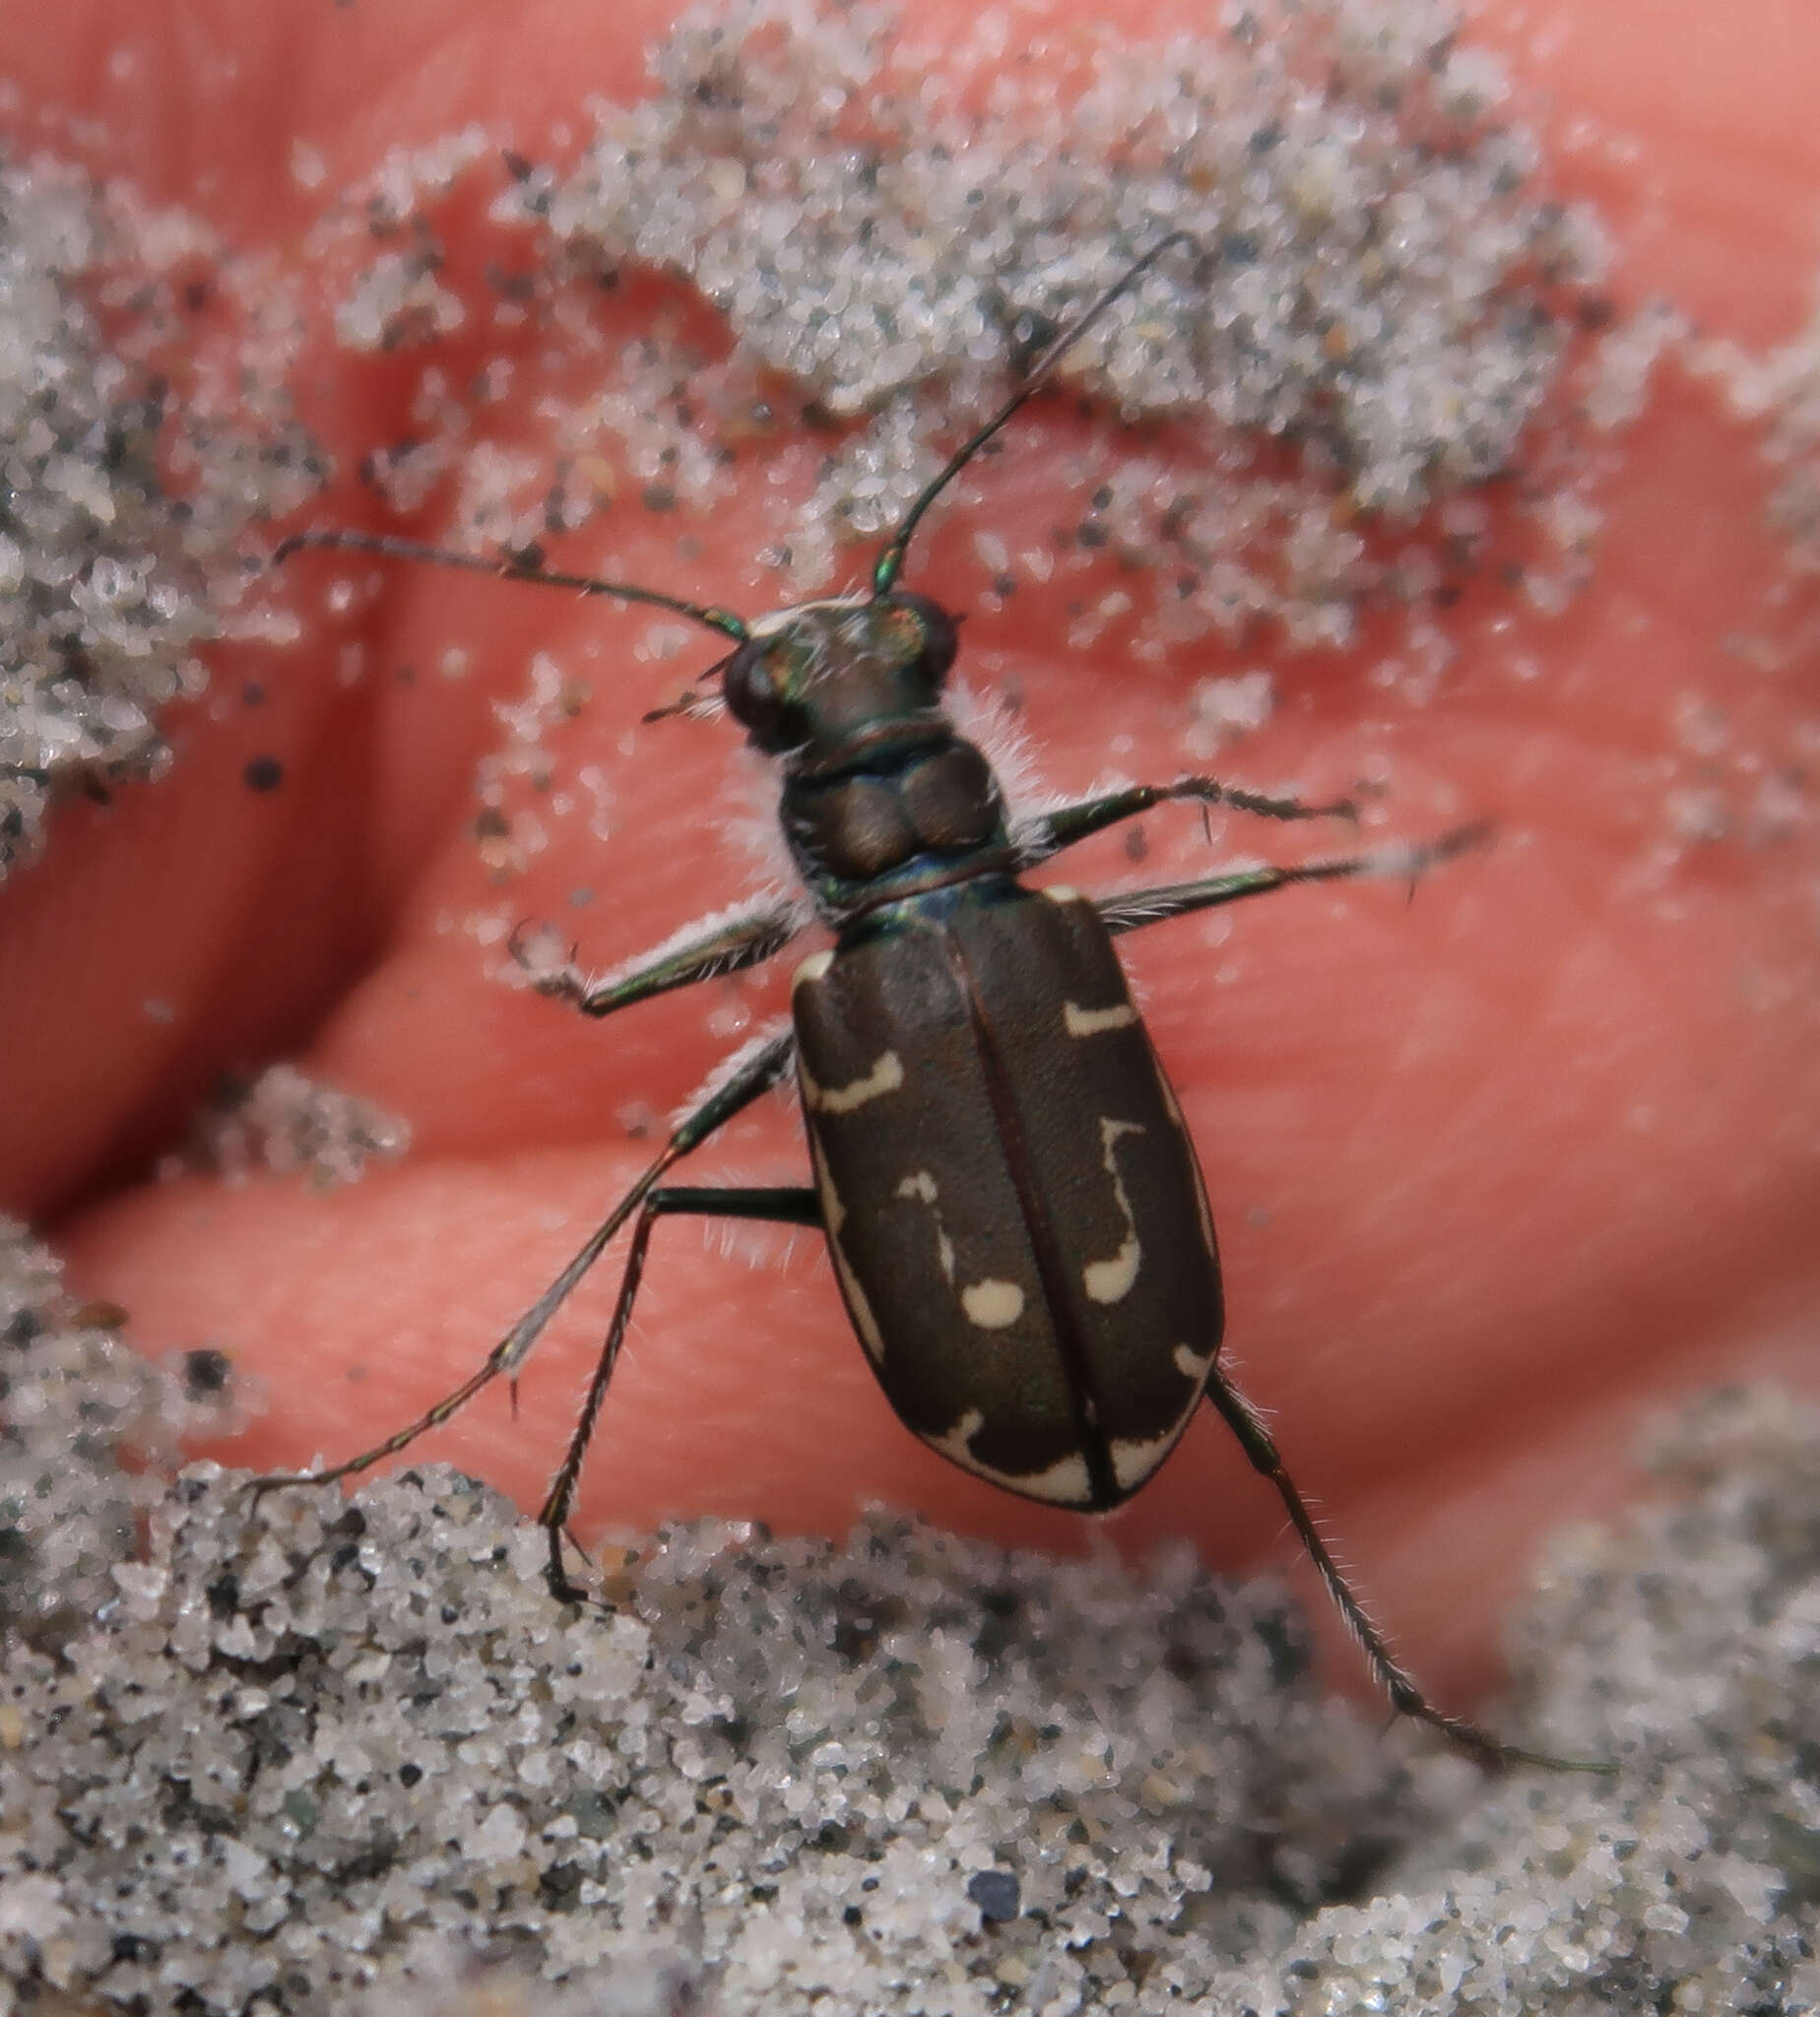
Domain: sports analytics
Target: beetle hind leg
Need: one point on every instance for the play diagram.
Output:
(794, 1205)
(1405, 1696)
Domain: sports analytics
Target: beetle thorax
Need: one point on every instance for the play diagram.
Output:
(881, 796)
(906, 816)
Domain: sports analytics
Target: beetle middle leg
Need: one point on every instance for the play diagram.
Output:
(792, 1205)
(759, 1067)
(1131, 910)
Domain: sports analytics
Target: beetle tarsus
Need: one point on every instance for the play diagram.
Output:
(557, 1576)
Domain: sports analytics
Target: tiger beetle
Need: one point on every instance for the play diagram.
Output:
(1012, 1205)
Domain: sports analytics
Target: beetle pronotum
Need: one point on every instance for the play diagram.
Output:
(1011, 1203)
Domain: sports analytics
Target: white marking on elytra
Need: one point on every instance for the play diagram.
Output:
(1200, 1189)
(1134, 1460)
(833, 1218)
(955, 1443)
(1079, 1021)
(1108, 1281)
(991, 1305)
(811, 969)
(1193, 1366)
(988, 1304)
(1064, 1483)
(885, 1077)
(919, 1184)
(1134, 1457)
(1060, 892)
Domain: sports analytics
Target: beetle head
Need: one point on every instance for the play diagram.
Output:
(809, 681)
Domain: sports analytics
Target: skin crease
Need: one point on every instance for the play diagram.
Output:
(1497, 1171)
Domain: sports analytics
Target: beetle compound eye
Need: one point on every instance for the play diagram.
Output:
(937, 634)
(753, 692)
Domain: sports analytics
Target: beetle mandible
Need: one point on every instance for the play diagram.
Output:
(1011, 1203)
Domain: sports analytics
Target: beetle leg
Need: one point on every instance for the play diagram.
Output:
(797, 1204)
(1135, 908)
(743, 936)
(1406, 1698)
(767, 1063)
(1050, 832)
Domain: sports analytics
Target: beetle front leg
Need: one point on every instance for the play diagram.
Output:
(1051, 833)
(732, 940)
(795, 1205)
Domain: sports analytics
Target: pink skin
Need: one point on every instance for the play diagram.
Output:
(1497, 1172)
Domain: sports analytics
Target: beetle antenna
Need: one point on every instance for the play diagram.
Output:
(391, 547)
(889, 563)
